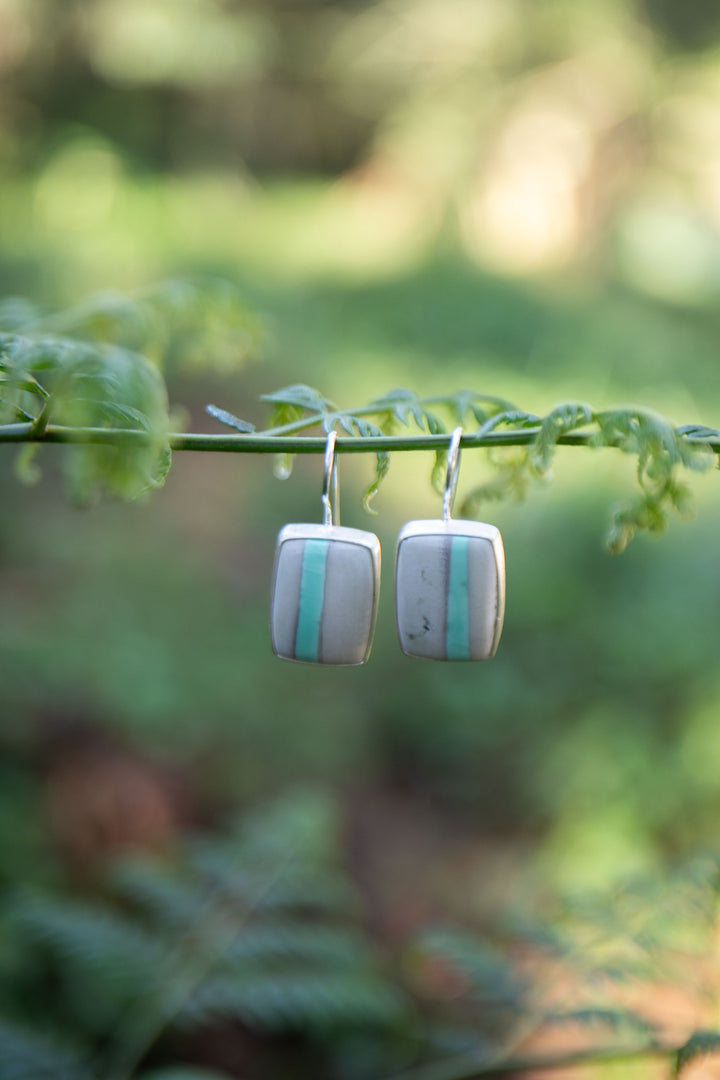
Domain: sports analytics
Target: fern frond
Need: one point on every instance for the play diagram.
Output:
(170, 899)
(30, 1055)
(276, 887)
(297, 1001)
(101, 941)
(617, 1020)
(490, 974)
(700, 1044)
(315, 945)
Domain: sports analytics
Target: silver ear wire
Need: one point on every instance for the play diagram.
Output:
(330, 492)
(451, 477)
(449, 581)
(326, 584)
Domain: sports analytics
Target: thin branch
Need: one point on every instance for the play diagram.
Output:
(262, 443)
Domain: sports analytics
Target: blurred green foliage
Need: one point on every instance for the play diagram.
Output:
(496, 193)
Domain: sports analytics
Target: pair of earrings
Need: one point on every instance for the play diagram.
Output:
(449, 584)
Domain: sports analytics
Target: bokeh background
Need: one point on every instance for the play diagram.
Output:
(515, 196)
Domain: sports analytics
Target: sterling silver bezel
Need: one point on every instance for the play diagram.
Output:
(339, 533)
(477, 530)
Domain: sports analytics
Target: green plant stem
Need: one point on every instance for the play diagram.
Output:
(263, 443)
(473, 1068)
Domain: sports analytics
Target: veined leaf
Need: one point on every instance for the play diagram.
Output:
(326, 947)
(301, 397)
(489, 973)
(559, 421)
(287, 1001)
(617, 1019)
(382, 468)
(92, 937)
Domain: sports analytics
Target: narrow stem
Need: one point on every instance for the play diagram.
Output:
(269, 443)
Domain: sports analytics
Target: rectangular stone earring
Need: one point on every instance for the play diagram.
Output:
(450, 582)
(325, 587)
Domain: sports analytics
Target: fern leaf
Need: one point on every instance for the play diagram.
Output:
(617, 1020)
(97, 939)
(96, 386)
(30, 1055)
(297, 1001)
(700, 1044)
(516, 418)
(276, 886)
(169, 899)
(307, 943)
(489, 973)
(17, 314)
(231, 421)
(398, 403)
(300, 397)
(382, 468)
(698, 431)
(564, 418)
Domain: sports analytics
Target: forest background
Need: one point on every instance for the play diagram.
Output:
(516, 197)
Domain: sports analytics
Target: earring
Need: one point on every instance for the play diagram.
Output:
(450, 582)
(325, 585)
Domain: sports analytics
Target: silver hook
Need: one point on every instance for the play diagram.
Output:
(331, 510)
(451, 477)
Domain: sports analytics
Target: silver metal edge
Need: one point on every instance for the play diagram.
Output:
(313, 531)
(481, 531)
(499, 552)
(455, 527)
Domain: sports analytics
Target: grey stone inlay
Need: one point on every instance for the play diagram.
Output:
(484, 599)
(423, 565)
(349, 604)
(286, 598)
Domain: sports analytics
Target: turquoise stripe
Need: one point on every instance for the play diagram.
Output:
(312, 595)
(457, 640)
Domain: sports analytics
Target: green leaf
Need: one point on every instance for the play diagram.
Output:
(26, 468)
(297, 1001)
(169, 898)
(25, 382)
(227, 418)
(95, 939)
(491, 975)
(301, 397)
(366, 429)
(438, 473)
(329, 947)
(96, 386)
(382, 468)
(17, 314)
(31, 1055)
(618, 1020)
(698, 431)
(560, 421)
(700, 1044)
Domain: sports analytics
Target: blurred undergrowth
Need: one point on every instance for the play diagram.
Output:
(565, 157)
(261, 927)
